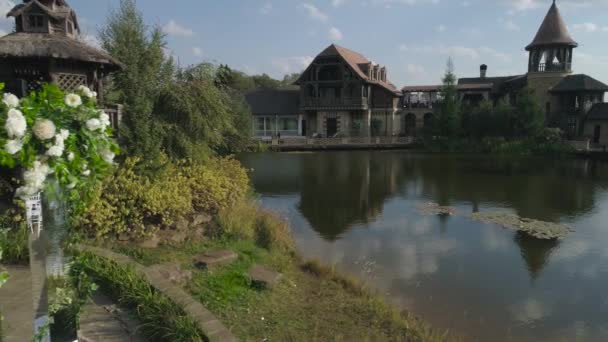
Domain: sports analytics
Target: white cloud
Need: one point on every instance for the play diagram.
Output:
(510, 25)
(440, 28)
(175, 29)
(266, 8)
(5, 6)
(338, 3)
(589, 27)
(3, 33)
(335, 34)
(90, 39)
(287, 65)
(197, 51)
(314, 12)
(457, 51)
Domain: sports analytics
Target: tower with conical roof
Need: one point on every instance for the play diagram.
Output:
(552, 47)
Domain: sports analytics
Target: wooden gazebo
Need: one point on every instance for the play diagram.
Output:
(46, 48)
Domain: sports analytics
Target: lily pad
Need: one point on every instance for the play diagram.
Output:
(535, 228)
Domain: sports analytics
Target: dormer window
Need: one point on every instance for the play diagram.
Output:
(35, 21)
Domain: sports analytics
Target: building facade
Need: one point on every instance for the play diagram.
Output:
(343, 94)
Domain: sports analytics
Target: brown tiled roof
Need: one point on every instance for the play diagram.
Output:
(274, 102)
(579, 83)
(356, 61)
(599, 111)
(553, 31)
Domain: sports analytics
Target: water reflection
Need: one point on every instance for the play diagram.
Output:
(358, 210)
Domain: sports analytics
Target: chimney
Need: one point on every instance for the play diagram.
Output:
(483, 70)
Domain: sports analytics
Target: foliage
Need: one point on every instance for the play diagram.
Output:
(3, 275)
(145, 73)
(529, 119)
(50, 132)
(246, 221)
(218, 184)
(199, 118)
(162, 320)
(449, 118)
(14, 244)
(128, 202)
(137, 205)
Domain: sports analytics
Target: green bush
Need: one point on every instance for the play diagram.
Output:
(130, 203)
(138, 205)
(218, 184)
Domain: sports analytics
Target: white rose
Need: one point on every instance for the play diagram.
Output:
(94, 94)
(71, 186)
(73, 100)
(13, 146)
(15, 124)
(93, 124)
(55, 151)
(71, 156)
(25, 192)
(108, 156)
(86, 173)
(44, 129)
(64, 134)
(10, 100)
(105, 120)
(86, 91)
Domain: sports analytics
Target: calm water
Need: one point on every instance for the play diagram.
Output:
(358, 211)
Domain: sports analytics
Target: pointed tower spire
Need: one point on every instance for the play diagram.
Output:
(553, 31)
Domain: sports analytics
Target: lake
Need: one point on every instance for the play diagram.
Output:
(359, 211)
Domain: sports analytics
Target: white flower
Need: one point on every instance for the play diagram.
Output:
(44, 129)
(86, 173)
(107, 155)
(64, 134)
(105, 120)
(55, 151)
(71, 156)
(25, 192)
(93, 124)
(13, 146)
(10, 100)
(15, 124)
(73, 100)
(71, 186)
(34, 180)
(86, 91)
(94, 94)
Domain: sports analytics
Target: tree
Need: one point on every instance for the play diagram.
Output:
(529, 119)
(145, 73)
(448, 123)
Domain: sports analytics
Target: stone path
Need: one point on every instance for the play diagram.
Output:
(213, 329)
(16, 305)
(102, 321)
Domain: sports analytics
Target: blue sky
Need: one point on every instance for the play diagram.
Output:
(412, 38)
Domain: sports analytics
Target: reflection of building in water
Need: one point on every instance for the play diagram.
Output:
(535, 252)
(342, 189)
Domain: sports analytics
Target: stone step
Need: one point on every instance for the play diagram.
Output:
(264, 278)
(214, 259)
(102, 321)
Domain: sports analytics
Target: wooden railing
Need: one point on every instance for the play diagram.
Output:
(309, 102)
(553, 67)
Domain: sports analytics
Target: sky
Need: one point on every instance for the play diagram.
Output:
(412, 38)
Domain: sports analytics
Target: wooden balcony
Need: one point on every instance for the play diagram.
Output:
(335, 103)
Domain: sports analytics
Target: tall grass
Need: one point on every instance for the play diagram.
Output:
(14, 245)
(162, 320)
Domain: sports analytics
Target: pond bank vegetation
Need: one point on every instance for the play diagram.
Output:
(535, 228)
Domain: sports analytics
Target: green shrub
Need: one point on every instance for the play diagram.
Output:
(218, 184)
(239, 221)
(14, 236)
(272, 232)
(130, 203)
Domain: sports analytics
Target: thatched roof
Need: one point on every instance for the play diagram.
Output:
(274, 102)
(579, 83)
(43, 45)
(553, 31)
(61, 10)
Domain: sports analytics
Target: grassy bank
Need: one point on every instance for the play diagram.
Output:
(312, 303)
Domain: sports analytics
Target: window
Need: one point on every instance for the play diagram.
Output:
(289, 124)
(35, 21)
(70, 27)
(260, 123)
